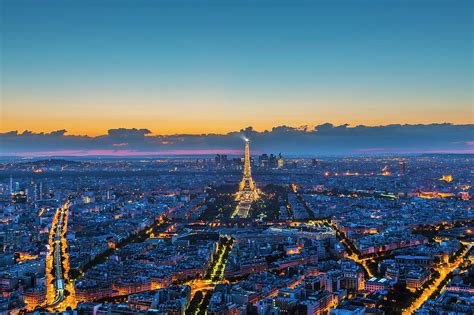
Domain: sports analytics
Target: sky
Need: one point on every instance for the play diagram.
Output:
(194, 67)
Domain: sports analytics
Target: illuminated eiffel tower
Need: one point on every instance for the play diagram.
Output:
(247, 190)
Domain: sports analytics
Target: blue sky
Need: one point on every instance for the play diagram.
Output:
(216, 66)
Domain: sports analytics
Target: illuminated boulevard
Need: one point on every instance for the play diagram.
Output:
(347, 243)
(60, 291)
(350, 248)
(444, 271)
(215, 273)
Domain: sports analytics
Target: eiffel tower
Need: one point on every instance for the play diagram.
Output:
(247, 190)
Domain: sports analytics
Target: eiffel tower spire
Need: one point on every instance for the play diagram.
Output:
(247, 190)
(247, 160)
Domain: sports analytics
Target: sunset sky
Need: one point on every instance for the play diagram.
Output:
(218, 66)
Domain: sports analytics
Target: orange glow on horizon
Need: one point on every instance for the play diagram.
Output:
(95, 129)
(206, 116)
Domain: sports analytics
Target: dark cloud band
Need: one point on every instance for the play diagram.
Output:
(325, 139)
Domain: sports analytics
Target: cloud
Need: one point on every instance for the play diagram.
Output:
(123, 133)
(325, 139)
(122, 144)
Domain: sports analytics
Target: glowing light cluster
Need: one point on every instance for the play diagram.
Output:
(447, 178)
(60, 292)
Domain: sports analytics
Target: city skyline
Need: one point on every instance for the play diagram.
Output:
(186, 67)
(347, 235)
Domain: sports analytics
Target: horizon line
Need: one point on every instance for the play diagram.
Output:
(182, 153)
(307, 128)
